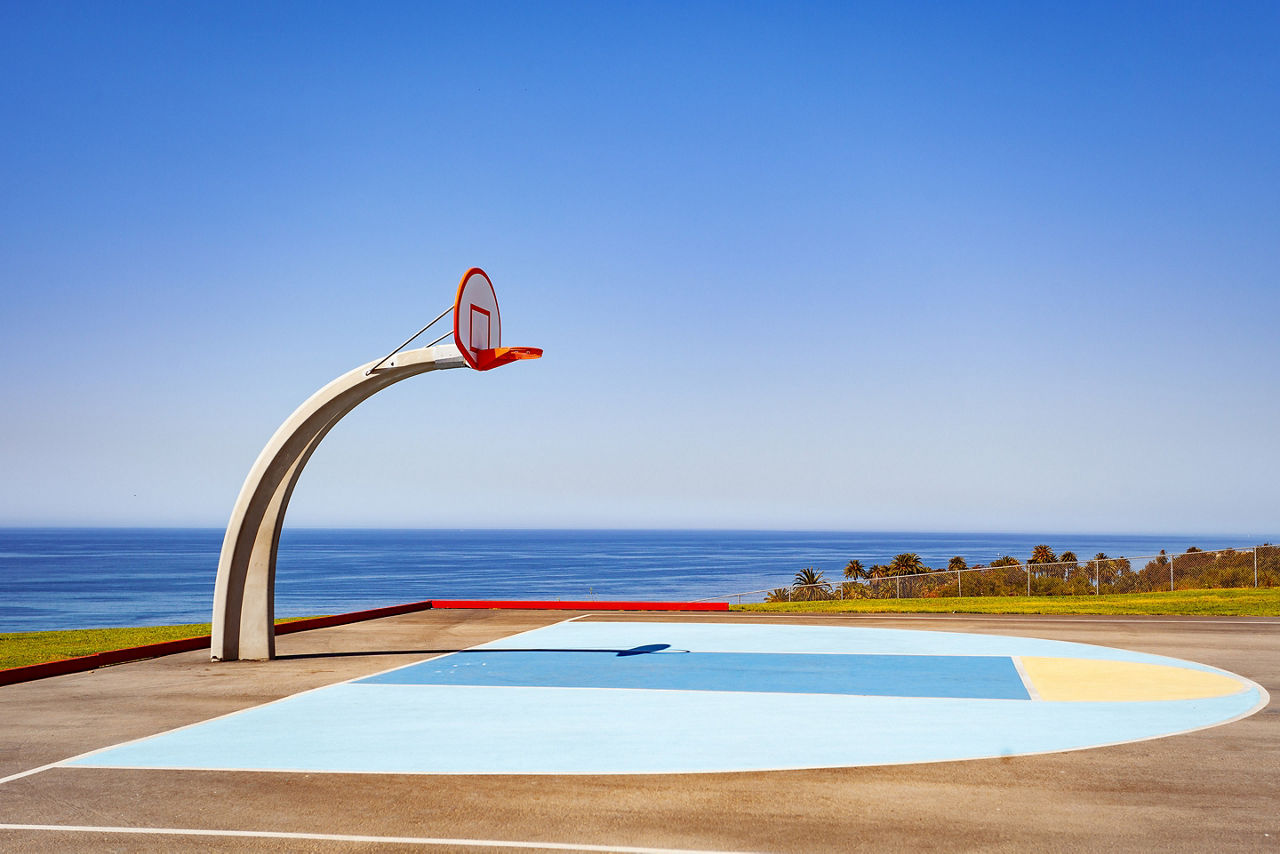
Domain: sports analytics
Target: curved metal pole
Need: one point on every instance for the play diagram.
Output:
(244, 596)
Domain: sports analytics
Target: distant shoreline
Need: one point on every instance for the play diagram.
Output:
(69, 578)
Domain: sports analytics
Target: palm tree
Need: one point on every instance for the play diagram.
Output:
(854, 570)
(1011, 579)
(810, 584)
(874, 574)
(1042, 554)
(852, 590)
(907, 563)
(1102, 573)
(778, 594)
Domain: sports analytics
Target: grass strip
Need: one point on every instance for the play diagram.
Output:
(1261, 602)
(18, 649)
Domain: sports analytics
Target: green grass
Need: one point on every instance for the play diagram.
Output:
(1263, 602)
(18, 649)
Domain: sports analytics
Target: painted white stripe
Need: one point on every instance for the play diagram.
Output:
(1029, 685)
(28, 772)
(350, 837)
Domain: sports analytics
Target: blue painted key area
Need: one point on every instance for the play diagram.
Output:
(654, 668)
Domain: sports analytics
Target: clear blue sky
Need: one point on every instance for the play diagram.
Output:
(841, 266)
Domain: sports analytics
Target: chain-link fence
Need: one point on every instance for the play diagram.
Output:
(1194, 569)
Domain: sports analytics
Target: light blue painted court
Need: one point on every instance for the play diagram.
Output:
(651, 697)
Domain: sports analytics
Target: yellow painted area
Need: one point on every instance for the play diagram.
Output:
(1083, 680)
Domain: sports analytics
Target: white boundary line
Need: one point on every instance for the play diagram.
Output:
(1026, 679)
(31, 771)
(94, 752)
(346, 837)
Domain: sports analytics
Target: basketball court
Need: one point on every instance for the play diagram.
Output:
(473, 730)
(651, 697)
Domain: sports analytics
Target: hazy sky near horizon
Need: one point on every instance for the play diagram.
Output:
(939, 266)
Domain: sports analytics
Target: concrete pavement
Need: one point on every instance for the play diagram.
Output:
(1217, 788)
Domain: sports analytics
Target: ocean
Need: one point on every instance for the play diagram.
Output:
(66, 578)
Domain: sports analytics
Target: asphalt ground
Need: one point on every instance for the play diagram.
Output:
(1213, 789)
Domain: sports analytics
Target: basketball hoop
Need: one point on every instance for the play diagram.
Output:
(477, 325)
